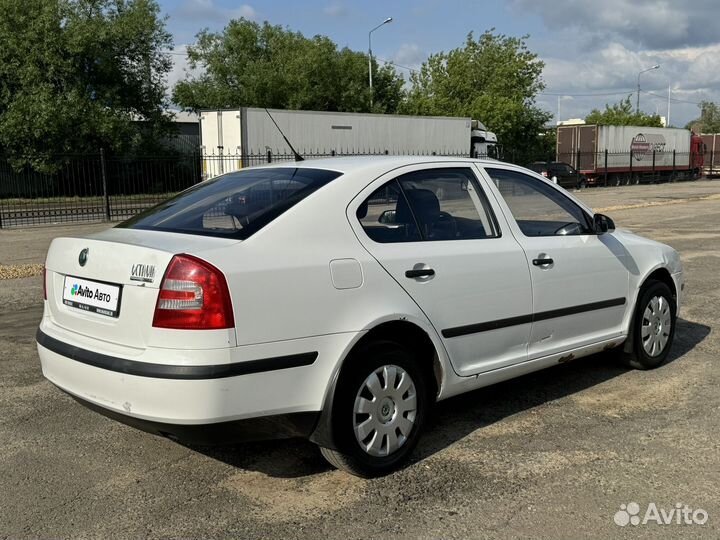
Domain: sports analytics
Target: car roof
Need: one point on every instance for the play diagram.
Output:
(348, 164)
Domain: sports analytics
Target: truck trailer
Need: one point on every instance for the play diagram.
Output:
(236, 138)
(711, 161)
(621, 155)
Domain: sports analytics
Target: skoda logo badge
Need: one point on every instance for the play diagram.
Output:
(82, 259)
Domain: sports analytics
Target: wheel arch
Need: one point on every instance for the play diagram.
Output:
(661, 274)
(429, 352)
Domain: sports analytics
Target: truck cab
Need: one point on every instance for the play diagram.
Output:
(483, 143)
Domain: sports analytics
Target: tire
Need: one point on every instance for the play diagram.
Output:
(582, 185)
(369, 457)
(655, 310)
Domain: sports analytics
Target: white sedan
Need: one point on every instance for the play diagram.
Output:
(339, 299)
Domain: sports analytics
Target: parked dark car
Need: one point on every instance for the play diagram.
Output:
(561, 173)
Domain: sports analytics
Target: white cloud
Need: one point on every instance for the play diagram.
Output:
(655, 24)
(181, 68)
(336, 9)
(613, 69)
(208, 11)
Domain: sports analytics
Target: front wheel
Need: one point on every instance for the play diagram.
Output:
(653, 326)
(381, 403)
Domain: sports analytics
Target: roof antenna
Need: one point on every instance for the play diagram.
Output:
(298, 157)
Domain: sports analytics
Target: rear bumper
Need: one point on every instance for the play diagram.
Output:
(240, 393)
(280, 426)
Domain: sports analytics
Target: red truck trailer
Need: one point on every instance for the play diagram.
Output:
(711, 165)
(621, 155)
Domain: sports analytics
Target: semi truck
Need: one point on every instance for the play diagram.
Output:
(711, 160)
(235, 138)
(622, 155)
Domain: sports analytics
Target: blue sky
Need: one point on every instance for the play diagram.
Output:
(593, 50)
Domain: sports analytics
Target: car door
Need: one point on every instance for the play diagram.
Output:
(579, 278)
(434, 231)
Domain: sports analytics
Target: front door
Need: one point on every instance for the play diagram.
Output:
(579, 278)
(433, 230)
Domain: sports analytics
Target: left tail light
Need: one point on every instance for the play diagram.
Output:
(193, 296)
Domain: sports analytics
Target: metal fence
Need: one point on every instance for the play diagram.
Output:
(98, 187)
(91, 187)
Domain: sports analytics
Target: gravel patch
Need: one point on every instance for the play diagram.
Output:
(14, 271)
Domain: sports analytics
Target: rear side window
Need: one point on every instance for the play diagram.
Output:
(432, 204)
(234, 205)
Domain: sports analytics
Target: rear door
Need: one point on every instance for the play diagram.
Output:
(579, 279)
(433, 230)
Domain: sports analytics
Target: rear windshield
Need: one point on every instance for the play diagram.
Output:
(234, 205)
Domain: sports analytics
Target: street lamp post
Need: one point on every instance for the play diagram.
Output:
(388, 20)
(637, 103)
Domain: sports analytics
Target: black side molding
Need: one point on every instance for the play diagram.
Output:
(525, 319)
(161, 371)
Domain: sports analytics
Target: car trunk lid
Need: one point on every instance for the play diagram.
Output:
(105, 287)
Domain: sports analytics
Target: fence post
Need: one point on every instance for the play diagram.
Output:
(577, 160)
(673, 169)
(606, 171)
(104, 183)
(269, 156)
(654, 177)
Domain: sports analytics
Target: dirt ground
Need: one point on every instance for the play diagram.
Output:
(550, 455)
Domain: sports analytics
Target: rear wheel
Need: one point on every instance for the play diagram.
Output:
(653, 326)
(381, 403)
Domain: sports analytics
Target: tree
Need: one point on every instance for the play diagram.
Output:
(622, 114)
(493, 79)
(254, 65)
(74, 74)
(709, 121)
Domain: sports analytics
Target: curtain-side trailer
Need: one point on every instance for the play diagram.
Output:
(630, 154)
(232, 139)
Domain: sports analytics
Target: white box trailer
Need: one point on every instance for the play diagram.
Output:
(630, 154)
(232, 139)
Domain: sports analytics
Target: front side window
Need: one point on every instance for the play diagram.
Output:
(434, 204)
(539, 209)
(234, 205)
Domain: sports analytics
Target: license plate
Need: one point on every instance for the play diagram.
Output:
(93, 296)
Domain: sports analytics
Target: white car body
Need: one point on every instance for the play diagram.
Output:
(309, 285)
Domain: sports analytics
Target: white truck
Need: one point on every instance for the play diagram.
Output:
(235, 138)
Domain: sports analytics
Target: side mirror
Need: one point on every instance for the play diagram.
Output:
(603, 224)
(387, 217)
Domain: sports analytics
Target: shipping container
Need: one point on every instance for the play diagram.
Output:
(630, 154)
(243, 133)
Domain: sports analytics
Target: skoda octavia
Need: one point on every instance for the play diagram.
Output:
(339, 299)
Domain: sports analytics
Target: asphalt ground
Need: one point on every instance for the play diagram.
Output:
(550, 455)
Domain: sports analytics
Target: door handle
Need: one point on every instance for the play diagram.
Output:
(419, 272)
(542, 262)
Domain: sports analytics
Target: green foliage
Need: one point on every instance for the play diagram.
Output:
(622, 114)
(75, 73)
(253, 65)
(494, 79)
(709, 121)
